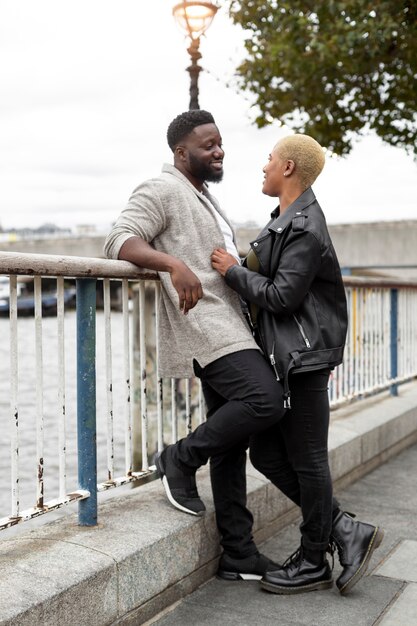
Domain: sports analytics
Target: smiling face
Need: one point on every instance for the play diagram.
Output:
(200, 155)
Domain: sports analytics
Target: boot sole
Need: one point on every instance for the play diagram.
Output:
(375, 542)
(324, 584)
(161, 474)
(233, 576)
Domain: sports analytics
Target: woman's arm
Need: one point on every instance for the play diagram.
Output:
(282, 294)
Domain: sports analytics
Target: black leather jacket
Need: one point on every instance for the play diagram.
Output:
(302, 319)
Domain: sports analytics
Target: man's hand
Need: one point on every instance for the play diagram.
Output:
(222, 260)
(187, 285)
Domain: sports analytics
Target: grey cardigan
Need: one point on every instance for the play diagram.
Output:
(169, 212)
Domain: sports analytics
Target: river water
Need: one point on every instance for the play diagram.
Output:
(27, 406)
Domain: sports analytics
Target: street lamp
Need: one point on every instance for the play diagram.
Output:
(194, 18)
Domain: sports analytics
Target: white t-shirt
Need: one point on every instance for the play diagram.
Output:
(227, 233)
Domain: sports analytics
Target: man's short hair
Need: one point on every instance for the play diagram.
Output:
(307, 154)
(184, 123)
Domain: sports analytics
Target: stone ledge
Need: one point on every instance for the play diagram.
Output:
(144, 555)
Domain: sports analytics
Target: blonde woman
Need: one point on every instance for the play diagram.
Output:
(292, 283)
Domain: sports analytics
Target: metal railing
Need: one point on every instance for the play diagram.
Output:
(119, 410)
(381, 346)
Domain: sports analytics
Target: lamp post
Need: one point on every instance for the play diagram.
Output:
(194, 18)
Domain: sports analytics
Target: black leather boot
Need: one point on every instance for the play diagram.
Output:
(299, 574)
(355, 543)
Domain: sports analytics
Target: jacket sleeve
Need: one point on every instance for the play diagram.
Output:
(282, 294)
(143, 217)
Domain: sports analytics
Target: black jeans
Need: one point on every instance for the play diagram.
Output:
(293, 454)
(243, 398)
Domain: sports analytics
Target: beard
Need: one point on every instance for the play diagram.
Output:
(204, 172)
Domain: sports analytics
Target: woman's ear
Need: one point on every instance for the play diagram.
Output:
(289, 168)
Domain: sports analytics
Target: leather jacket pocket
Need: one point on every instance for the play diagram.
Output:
(302, 331)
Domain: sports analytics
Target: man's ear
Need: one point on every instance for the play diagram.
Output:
(179, 152)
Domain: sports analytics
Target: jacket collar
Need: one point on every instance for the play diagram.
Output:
(280, 222)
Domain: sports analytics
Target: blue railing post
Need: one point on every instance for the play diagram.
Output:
(394, 340)
(86, 399)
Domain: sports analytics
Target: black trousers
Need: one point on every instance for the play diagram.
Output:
(245, 409)
(293, 454)
(243, 398)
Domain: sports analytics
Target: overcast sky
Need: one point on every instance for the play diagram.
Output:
(87, 90)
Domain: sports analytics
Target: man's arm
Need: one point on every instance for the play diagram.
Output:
(187, 285)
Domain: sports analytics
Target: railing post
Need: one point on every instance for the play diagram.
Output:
(86, 399)
(394, 340)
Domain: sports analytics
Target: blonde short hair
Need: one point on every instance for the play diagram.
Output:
(307, 154)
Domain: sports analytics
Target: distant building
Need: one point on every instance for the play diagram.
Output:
(47, 230)
(86, 229)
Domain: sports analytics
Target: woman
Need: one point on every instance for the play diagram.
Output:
(292, 283)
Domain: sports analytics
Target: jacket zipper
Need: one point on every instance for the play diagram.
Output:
(273, 362)
(301, 329)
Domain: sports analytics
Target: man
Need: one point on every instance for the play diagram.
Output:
(172, 224)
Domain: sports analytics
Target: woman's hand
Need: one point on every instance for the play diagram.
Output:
(222, 260)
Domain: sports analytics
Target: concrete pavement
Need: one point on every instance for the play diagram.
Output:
(144, 555)
(386, 596)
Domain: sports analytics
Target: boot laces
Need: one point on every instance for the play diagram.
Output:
(295, 557)
(334, 544)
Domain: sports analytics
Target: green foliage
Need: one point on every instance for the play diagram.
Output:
(333, 69)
